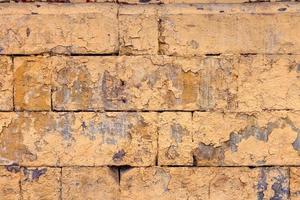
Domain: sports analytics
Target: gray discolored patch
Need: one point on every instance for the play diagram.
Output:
(119, 155)
(262, 184)
(34, 174)
(177, 132)
(13, 168)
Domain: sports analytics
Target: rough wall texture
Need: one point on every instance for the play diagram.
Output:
(161, 99)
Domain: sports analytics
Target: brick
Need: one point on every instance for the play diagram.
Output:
(204, 183)
(9, 183)
(73, 28)
(240, 139)
(41, 183)
(295, 183)
(90, 183)
(230, 139)
(85, 139)
(219, 1)
(269, 82)
(175, 139)
(141, 1)
(204, 1)
(78, 82)
(188, 32)
(32, 83)
(6, 82)
(144, 83)
(138, 30)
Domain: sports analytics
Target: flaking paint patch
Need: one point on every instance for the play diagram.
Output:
(14, 152)
(216, 154)
(33, 174)
(262, 184)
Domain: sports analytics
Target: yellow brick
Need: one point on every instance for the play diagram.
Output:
(269, 82)
(90, 183)
(295, 183)
(9, 183)
(140, 1)
(138, 30)
(41, 183)
(85, 139)
(32, 79)
(247, 139)
(6, 84)
(230, 139)
(143, 83)
(77, 82)
(73, 28)
(175, 139)
(204, 1)
(186, 32)
(204, 183)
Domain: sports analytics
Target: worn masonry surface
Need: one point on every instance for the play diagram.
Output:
(149, 100)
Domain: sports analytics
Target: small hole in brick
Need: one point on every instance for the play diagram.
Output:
(282, 9)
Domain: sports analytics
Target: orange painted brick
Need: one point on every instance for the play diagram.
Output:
(230, 139)
(32, 79)
(6, 84)
(82, 139)
(295, 183)
(268, 82)
(41, 183)
(204, 183)
(95, 183)
(247, 139)
(138, 30)
(175, 139)
(73, 28)
(194, 30)
(9, 183)
(144, 83)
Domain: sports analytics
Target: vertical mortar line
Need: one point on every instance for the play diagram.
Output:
(20, 187)
(159, 27)
(51, 94)
(157, 144)
(193, 157)
(119, 178)
(118, 25)
(13, 82)
(51, 88)
(119, 175)
(60, 182)
(289, 184)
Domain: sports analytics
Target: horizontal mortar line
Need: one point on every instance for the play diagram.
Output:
(153, 3)
(145, 111)
(141, 55)
(62, 54)
(226, 166)
(153, 166)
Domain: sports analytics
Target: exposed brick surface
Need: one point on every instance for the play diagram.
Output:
(205, 183)
(32, 84)
(269, 82)
(87, 28)
(138, 30)
(41, 183)
(83, 139)
(160, 99)
(90, 183)
(9, 183)
(188, 33)
(135, 83)
(6, 81)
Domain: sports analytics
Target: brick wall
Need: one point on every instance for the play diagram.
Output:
(162, 100)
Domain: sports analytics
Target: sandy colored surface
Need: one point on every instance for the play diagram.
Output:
(149, 100)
